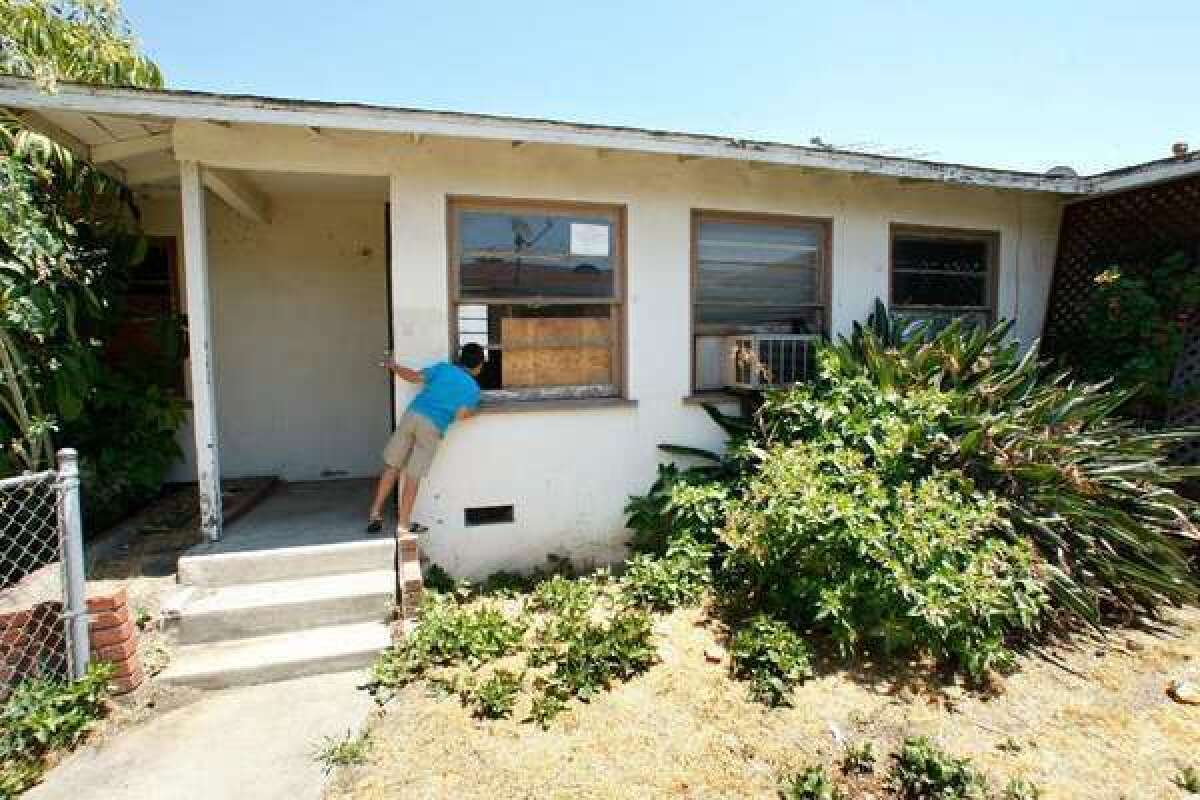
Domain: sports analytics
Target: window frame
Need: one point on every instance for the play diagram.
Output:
(825, 272)
(616, 213)
(990, 238)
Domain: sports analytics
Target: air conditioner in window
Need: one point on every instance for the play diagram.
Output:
(766, 360)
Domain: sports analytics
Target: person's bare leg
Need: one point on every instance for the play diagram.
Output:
(387, 482)
(408, 498)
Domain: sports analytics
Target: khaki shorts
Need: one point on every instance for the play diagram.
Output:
(412, 446)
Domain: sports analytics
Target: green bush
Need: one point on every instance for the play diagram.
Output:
(680, 504)
(495, 697)
(42, 716)
(922, 771)
(350, 750)
(772, 657)
(447, 635)
(547, 705)
(587, 656)
(1135, 323)
(1092, 492)
(566, 596)
(597, 653)
(436, 579)
(69, 239)
(859, 759)
(1021, 789)
(678, 578)
(811, 784)
(907, 567)
(1188, 780)
(581, 647)
(128, 442)
(934, 492)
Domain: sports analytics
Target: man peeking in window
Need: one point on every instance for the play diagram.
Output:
(449, 392)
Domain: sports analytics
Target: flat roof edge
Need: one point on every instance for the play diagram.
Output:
(192, 105)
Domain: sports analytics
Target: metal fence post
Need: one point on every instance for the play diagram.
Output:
(71, 529)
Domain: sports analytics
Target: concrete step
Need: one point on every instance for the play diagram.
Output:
(207, 566)
(263, 659)
(213, 614)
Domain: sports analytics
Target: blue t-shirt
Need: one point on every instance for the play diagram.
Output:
(447, 388)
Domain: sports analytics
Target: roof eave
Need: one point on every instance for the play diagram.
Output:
(187, 105)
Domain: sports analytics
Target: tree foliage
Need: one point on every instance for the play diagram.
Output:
(69, 236)
(80, 41)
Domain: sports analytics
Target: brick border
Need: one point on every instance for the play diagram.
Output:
(113, 638)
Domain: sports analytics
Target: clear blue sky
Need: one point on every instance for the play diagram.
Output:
(1025, 85)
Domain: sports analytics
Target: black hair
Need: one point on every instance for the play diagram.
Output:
(471, 356)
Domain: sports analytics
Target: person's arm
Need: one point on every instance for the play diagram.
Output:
(404, 373)
(466, 413)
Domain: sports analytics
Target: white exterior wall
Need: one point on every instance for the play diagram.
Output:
(299, 312)
(569, 472)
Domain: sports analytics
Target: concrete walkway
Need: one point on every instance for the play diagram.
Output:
(255, 741)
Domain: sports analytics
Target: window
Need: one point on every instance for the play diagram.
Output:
(147, 335)
(539, 287)
(764, 275)
(939, 275)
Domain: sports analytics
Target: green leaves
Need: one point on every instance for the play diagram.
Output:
(576, 636)
(1134, 325)
(832, 542)
(41, 716)
(811, 784)
(678, 578)
(1090, 491)
(772, 657)
(495, 697)
(82, 41)
(922, 771)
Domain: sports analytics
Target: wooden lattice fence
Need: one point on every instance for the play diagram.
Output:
(1141, 226)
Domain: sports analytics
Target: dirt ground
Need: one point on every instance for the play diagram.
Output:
(1086, 720)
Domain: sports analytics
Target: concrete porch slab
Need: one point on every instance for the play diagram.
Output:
(302, 530)
(298, 515)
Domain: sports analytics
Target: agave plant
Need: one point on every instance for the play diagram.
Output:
(1094, 493)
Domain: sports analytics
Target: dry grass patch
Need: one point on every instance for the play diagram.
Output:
(1092, 721)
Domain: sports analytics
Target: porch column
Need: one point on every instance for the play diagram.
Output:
(199, 317)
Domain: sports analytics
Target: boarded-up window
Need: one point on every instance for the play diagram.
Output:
(754, 274)
(538, 287)
(940, 275)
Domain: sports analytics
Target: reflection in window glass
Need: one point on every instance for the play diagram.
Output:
(759, 278)
(503, 255)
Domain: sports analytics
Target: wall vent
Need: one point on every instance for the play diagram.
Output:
(487, 515)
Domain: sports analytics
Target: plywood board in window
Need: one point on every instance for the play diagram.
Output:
(555, 351)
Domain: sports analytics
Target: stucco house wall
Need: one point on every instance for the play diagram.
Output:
(568, 473)
(299, 324)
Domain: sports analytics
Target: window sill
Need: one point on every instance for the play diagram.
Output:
(557, 404)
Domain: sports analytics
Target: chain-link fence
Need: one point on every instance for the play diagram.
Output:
(43, 614)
